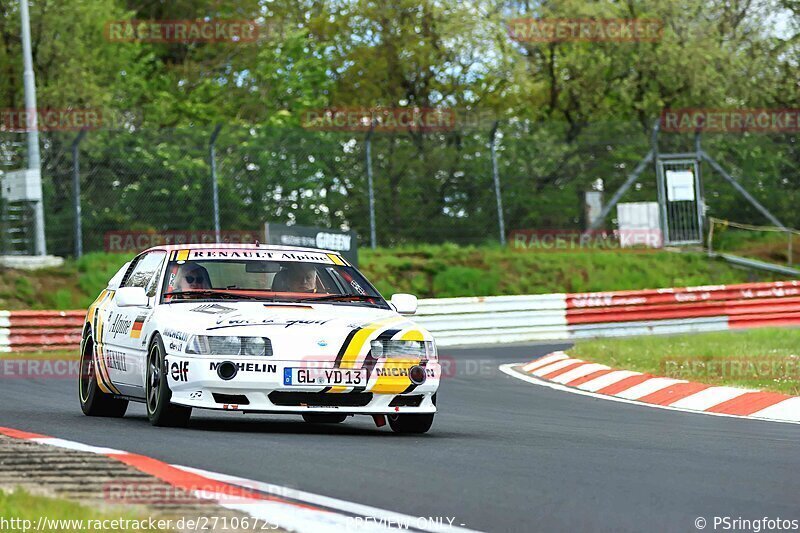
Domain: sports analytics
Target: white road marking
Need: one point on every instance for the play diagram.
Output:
(77, 446)
(380, 517)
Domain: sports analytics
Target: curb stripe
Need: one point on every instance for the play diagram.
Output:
(589, 377)
(562, 372)
(748, 403)
(624, 384)
(673, 393)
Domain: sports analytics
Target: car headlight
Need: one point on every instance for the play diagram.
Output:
(409, 349)
(229, 345)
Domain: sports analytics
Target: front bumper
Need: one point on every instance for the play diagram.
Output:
(259, 386)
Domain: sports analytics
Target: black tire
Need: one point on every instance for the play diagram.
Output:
(411, 423)
(160, 411)
(324, 418)
(95, 402)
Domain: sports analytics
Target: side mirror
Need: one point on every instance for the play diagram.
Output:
(131, 297)
(405, 304)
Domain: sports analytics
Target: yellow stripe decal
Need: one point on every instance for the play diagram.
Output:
(353, 349)
(183, 255)
(412, 335)
(101, 363)
(388, 383)
(336, 259)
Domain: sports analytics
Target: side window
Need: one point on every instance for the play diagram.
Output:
(145, 272)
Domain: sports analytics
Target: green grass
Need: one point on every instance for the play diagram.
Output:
(764, 245)
(22, 505)
(429, 271)
(767, 359)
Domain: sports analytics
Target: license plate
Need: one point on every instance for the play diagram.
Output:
(325, 377)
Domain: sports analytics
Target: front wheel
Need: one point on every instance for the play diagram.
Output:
(324, 418)
(411, 423)
(159, 411)
(95, 402)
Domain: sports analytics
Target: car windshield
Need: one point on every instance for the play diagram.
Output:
(281, 277)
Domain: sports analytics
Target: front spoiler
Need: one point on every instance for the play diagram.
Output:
(194, 382)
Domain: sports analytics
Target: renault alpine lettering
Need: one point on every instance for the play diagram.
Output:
(255, 328)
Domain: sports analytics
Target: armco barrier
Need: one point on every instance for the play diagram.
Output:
(610, 314)
(34, 331)
(506, 319)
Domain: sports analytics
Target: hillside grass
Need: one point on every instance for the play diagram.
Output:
(766, 359)
(449, 270)
(427, 271)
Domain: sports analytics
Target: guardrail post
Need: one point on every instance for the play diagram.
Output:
(496, 177)
(212, 154)
(368, 142)
(76, 194)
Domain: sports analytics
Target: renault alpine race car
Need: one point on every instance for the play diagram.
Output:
(255, 328)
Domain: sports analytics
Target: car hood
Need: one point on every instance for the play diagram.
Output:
(295, 330)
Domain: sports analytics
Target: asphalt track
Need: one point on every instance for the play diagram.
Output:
(503, 454)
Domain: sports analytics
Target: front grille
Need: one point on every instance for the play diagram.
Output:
(320, 399)
(235, 399)
(406, 401)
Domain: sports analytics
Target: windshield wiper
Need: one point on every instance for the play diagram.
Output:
(359, 297)
(214, 292)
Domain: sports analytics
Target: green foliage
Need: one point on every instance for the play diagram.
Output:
(570, 113)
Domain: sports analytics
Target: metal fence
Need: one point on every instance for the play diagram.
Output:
(429, 187)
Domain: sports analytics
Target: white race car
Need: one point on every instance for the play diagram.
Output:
(255, 328)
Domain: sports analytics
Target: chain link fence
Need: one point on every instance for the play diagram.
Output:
(429, 187)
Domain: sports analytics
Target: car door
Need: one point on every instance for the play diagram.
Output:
(125, 332)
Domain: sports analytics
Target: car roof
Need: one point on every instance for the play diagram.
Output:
(229, 246)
